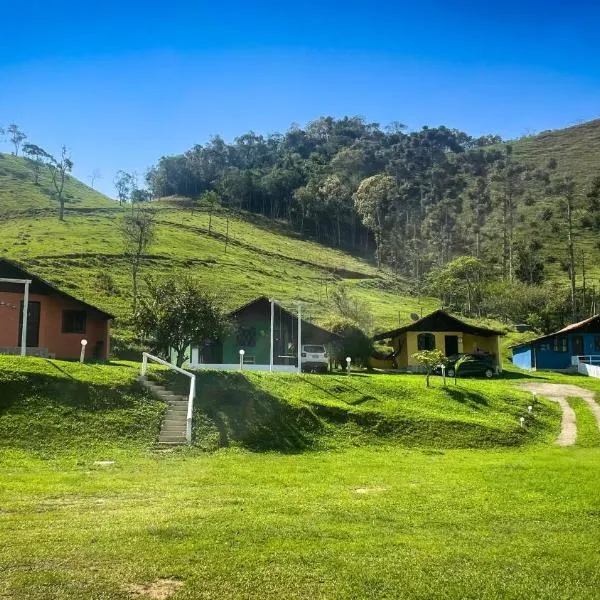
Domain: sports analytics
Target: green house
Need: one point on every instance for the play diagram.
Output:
(251, 332)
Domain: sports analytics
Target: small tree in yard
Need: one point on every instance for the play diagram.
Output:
(429, 360)
(176, 314)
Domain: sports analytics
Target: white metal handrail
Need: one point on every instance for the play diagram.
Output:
(192, 394)
(590, 359)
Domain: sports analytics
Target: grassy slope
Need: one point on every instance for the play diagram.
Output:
(262, 257)
(18, 194)
(291, 412)
(577, 151)
(51, 407)
(375, 521)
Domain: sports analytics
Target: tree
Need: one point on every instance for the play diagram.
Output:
(177, 313)
(139, 196)
(16, 136)
(348, 306)
(352, 341)
(124, 184)
(565, 187)
(59, 169)
(509, 187)
(372, 199)
(138, 233)
(212, 199)
(38, 157)
(96, 174)
(429, 360)
(459, 282)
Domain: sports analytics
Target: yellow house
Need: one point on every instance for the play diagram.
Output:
(438, 330)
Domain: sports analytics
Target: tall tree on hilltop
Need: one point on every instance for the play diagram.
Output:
(38, 157)
(565, 188)
(59, 170)
(509, 188)
(16, 136)
(124, 184)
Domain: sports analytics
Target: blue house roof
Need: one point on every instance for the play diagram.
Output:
(592, 325)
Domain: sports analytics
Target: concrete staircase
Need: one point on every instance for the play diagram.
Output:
(172, 429)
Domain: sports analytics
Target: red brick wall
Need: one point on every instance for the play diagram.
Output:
(62, 345)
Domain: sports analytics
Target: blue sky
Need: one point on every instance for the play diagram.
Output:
(123, 83)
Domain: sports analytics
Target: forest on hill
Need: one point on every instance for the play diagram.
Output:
(475, 221)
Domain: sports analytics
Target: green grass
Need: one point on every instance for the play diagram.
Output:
(19, 195)
(288, 412)
(364, 513)
(362, 523)
(588, 434)
(58, 407)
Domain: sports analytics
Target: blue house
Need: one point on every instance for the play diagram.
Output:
(556, 351)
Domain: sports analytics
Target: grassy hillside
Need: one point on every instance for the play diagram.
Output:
(576, 149)
(52, 406)
(19, 194)
(84, 254)
(57, 407)
(289, 412)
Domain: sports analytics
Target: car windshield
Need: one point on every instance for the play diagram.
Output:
(314, 349)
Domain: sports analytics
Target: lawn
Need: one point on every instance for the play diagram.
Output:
(367, 512)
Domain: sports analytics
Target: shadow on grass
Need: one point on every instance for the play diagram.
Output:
(244, 415)
(465, 396)
(521, 375)
(19, 390)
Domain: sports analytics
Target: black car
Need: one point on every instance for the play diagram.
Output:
(468, 365)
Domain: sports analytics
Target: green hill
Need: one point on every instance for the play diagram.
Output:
(20, 195)
(83, 254)
(576, 150)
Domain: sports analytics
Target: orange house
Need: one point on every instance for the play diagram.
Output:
(56, 321)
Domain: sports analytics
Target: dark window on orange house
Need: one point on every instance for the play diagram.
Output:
(74, 321)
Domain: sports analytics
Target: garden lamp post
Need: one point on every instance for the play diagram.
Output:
(348, 362)
(82, 355)
(242, 352)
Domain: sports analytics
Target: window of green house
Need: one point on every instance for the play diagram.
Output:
(246, 337)
(426, 341)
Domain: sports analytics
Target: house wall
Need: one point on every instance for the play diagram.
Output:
(541, 356)
(260, 352)
(523, 357)
(61, 345)
(408, 342)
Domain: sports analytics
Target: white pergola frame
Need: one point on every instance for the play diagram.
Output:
(26, 283)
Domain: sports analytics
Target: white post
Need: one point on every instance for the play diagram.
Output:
(190, 410)
(144, 363)
(299, 337)
(25, 315)
(82, 355)
(348, 363)
(242, 352)
(272, 322)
